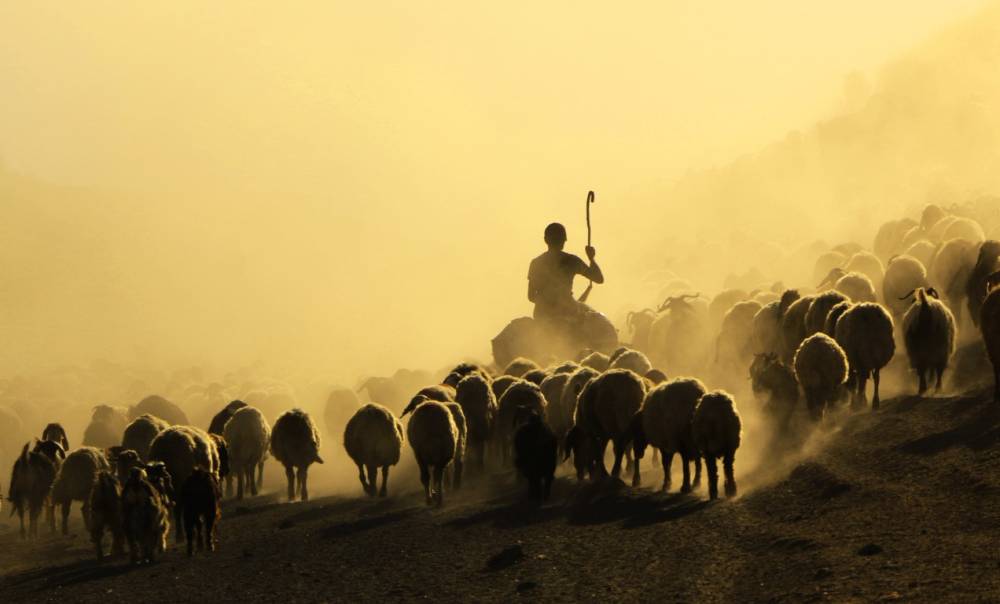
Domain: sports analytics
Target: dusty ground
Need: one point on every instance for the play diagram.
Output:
(903, 504)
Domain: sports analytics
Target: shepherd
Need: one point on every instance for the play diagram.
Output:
(550, 278)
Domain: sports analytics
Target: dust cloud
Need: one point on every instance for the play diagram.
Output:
(209, 201)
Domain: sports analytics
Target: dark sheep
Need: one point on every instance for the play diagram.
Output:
(160, 407)
(536, 454)
(200, 498)
(30, 481)
(56, 433)
(106, 514)
(146, 519)
(218, 423)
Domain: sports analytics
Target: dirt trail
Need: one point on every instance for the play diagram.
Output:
(903, 504)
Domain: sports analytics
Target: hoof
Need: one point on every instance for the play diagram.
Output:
(730, 490)
(636, 483)
(685, 488)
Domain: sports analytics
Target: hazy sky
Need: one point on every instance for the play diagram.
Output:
(349, 169)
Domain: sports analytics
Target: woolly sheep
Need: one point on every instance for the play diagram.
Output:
(181, 449)
(793, 327)
(664, 422)
(74, 479)
(680, 340)
(200, 497)
(964, 228)
(987, 262)
(632, 359)
(139, 434)
(638, 324)
(735, 341)
(535, 455)
(566, 367)
(433, 437)
(606, 407)
(146, 518)
(458, 462)
(950, 270)
(767, 329)
(721, 304)
(373, 439)
(929, 336)
(989, 326)
(596, 360)
(561, 417)
(865, 333)
(218, 423)
(815, 319)
(440, 393)
(295, 444)
(247, 435)
(856, 286)
(500, 385)
(867, 264)
(535, 376)
(923, 251)
(821, 369)
(889, 237)
(479, 406)
(830, 326)
(777, 389)
(161, 408)
(463, 370)
(30, 481)
(520, 394)
(903, 275)
(717, 431)
(930, 216)
(56, 433)
(826, 262)
(520, 366)
(552, 389)
(106, 513)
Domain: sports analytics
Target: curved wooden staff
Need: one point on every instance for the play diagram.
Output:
(590, 286)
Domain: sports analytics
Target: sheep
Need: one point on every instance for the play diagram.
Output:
(158, 476)
(903, 275)
(520, 394)
(440, 393)
(181, 449)
(793, 327)
(767, 329)
(74, 479)
(815, 318)
(930, 216)
(139, 434)
(247, 435)
(536, 454)
(929, 336)
(552, 389)
(105, 428)
(717, 430)
(520, 366)
(655, 377)
(775, 386)
(639, 324)
(950, 270)
(295, 444)
(679, 339)
(735, 341)
(664, 422)
(889, 237)
(605, 410)
(596, 360)
(200, 497)
(373, 439)
(566, 367)
(501, 384)
(865, 333)
(479, 406)
(145, 518)
(867, 264)
(535, 376)
(122, 461)
(218, 423)
(632, 359)
(821, 369)
(106, 513)
(433, 437)
(856, 286)
(923, 251)
(826, 262)
(987, 262)
(56, 454)
(56, 433)
(30, 481)
(721, 304)
(964, 228)
(458, 462)
(830, 325)
(161, 408)
(463, 370)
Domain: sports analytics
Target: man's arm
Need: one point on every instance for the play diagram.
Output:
(593, 271)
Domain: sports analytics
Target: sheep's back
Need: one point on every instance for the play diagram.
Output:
(667, 413)
(716, 425)
(433, 434)
(77, 474)
(373, 436)
(247, 436)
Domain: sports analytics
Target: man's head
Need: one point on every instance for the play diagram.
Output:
(555, 236)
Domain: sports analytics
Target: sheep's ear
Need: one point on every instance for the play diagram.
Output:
(318, 459)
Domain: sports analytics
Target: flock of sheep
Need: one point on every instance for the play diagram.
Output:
(807, 351)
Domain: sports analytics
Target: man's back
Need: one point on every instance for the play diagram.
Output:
(550, 281)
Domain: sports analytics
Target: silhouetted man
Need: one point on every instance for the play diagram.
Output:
(550, 278)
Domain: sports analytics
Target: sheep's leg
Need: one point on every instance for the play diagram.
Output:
(939, 372)
(425, 479)
(860, 400)
(240, 477)
(439, 485)
(727, 466)
(97, 537)
(616, 469)
(372, 479)
(922, 373)
(65, 518)
(249, 479)
(668, 462)
(210, 532)
(602, 445)
(456, 478)
(260, 474)
(363, 478)
(85, 510)
(713, 477)
(655, 461)
(628, 460)
(24, 533)
(636, 477)
(875, 379)
(385, 482)
(290, 475)
(304, 483)
(697, 471)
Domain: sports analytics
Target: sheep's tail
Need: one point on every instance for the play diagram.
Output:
(922, 296)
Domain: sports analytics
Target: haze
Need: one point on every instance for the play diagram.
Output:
(353, 188)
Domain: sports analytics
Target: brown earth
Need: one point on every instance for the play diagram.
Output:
(903, 504)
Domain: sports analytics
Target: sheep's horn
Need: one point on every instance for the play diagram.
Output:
(933, 292)
(907, 296)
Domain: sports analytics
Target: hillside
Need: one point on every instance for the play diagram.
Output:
(903, 504)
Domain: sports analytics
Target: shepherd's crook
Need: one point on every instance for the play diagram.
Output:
(590, 286)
